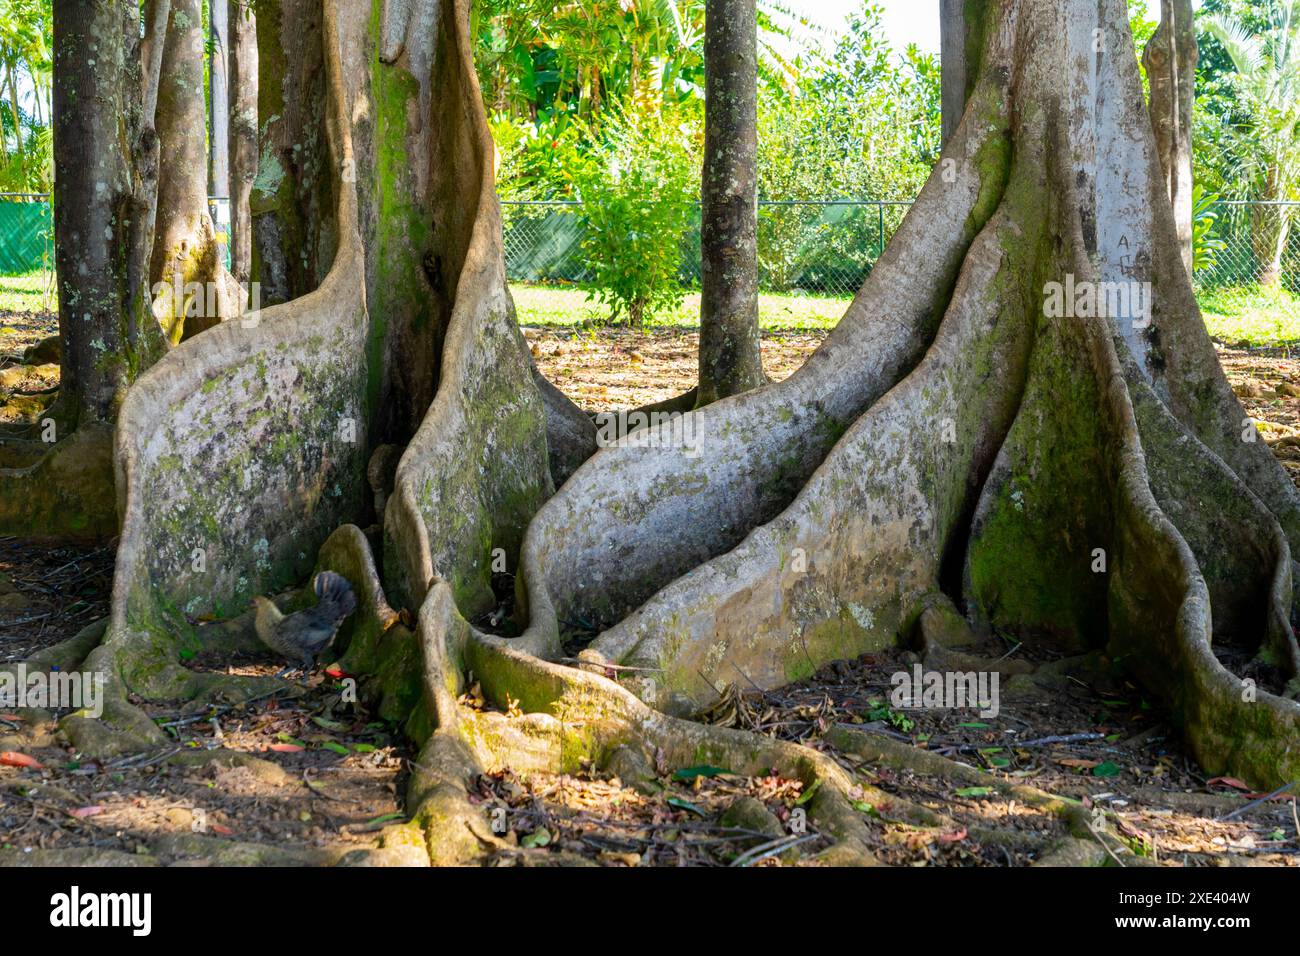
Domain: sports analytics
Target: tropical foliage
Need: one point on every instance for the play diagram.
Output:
(25, 96)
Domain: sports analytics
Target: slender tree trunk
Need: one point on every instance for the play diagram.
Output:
(219, 115)
(1269, 233)
(243, 139)
(1170, 60)
(952, 60)
(18, 116)
(184, 264)
(730, 357)
(92, 196)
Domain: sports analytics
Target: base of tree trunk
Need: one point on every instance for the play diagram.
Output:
(955, 459)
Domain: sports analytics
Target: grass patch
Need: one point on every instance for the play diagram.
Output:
(1249, 315)
(544, 305)
(27, 293)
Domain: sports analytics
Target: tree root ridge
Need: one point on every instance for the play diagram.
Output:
(949, 417)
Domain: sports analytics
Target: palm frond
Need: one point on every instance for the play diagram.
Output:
(1245, 49)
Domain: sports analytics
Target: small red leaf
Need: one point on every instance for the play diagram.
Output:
(82, 812)
(336, 672)
(953, 837)
(1229, 782)
(285, 748)
(11, 758)
(220, 830)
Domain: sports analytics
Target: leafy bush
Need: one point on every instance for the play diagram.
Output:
(636, 190)
(1206, 245)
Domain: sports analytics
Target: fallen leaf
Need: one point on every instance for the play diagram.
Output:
(690, 773)
(681, 804)
(538, 838)
(12, 758)
(82, 812)
(285, 748)
(953, 837)
(220, 830)
(1081, 764)
(1229, 782)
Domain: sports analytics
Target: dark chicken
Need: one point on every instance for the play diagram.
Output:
(301, 637)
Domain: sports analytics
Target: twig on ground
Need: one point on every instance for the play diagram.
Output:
(1254, 803)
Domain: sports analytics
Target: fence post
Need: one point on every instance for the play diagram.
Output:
(880, 231)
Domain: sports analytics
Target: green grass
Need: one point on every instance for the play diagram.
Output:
(1240, 315)
(555, 305)
(1249, 315)
(25, 293)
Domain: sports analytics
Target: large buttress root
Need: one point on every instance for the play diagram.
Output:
(1113, 516)
(642, 513)
(236, 456)
(951, 444)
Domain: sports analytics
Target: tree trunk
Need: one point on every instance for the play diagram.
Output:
(13, 101)
(1170, 60)
(190, 283)
(291, 206)
(977, 449)
(1270, 229)
(67, 489)
(952, 62)
(243, 142)
(219, 118)
(91, 207)
(731, 360)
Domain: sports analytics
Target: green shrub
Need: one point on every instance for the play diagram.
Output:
(636, 191)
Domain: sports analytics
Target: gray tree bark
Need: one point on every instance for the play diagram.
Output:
(952, 60)
(730, 359)
(1170, 59)
(93, 190)
(185, 248)
(243, 139)
(219, 114)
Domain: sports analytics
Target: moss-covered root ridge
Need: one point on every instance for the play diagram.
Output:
(554, 719)
(1105, 522)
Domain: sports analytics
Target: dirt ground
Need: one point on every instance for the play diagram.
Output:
(304, 778)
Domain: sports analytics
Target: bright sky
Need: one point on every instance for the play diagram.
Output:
(906, 21)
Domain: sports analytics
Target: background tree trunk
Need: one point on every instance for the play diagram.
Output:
(952, 61)
(93, 191)
(730, 358)
(219, 115)
(291, 205)
(185, 246)
(1170, 59)
(1270, 228)
(243, 139)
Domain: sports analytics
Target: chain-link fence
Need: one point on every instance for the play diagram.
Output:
(813, 257)
(26, 233)
(1247, 273)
